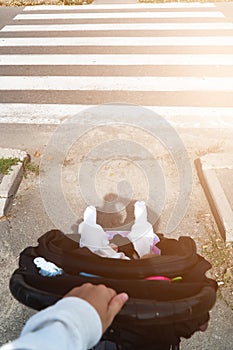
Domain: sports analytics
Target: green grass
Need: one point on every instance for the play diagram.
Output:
(6, 165)
(43, 2)
(28, 167)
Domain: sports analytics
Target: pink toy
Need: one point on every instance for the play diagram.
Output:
(158, 278)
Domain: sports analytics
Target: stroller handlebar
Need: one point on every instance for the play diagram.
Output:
(146, 311)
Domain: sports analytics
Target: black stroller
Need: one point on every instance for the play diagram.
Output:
(158, 312)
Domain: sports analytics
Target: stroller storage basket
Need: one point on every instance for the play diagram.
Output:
(181, 307)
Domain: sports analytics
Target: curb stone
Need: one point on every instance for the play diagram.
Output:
(207, 167)
(10, 182)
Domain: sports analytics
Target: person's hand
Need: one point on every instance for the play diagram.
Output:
(105, 300)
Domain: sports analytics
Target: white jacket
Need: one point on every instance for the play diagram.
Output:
(70, 324)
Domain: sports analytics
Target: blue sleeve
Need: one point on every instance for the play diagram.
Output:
(71, 324)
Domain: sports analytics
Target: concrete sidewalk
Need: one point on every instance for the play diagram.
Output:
(29, 219)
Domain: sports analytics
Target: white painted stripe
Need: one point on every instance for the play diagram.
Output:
(117, 27)
(117, 59)
(183, 117)
(71, 83)
(121, 41)
(184, 14)
(118, 6)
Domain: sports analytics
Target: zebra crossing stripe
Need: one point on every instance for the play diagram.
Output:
(84, 83)
(119, 6)
(120, 41)
(118, 26)
(182, 117)
(117, 59)
(185, 14)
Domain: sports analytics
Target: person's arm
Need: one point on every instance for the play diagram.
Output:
(75, 322)
(71, 323)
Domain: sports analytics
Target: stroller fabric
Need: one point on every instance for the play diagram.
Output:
(158, 312)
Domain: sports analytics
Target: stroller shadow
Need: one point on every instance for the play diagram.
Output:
(116, 213)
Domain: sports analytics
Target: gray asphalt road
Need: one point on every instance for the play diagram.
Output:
(29, 219)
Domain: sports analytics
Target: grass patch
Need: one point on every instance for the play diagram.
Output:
(43, 2)
(219, 254)
(6, 165)
(29, 167)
